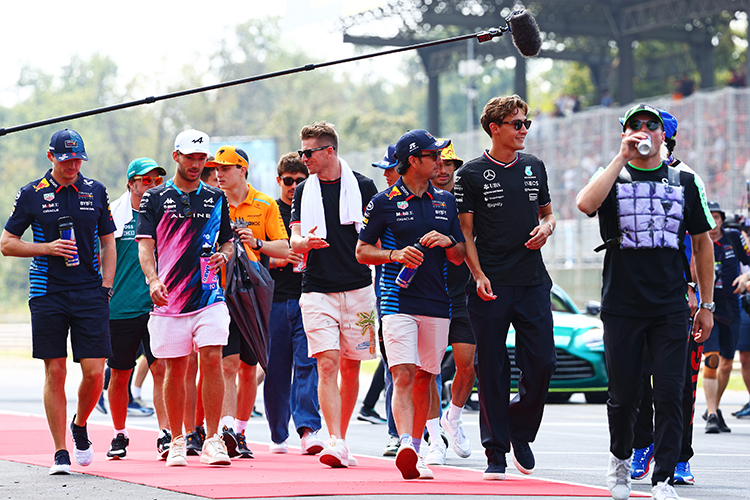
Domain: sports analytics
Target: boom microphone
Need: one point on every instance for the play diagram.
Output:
(525, 33)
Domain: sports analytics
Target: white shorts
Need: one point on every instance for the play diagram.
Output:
(174, 336)
(416, 340)
(342, 321)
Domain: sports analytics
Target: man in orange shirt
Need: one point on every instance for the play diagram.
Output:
(257, 220)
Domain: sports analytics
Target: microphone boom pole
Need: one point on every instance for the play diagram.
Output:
(482, 36)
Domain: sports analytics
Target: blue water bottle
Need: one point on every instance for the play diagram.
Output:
(407, 273)
(67, 232)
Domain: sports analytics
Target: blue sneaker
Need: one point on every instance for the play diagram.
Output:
(642, 458)
(682, 474)
(136, 408)
(101, 405)
(744, 412)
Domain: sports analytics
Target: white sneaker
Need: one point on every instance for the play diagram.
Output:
(279, 447)
(335, 454)
(424, 471)
(311, 444)
(455, 429)
(618, 477)
(177, 455)
(436, 453)
(352, 461)
(407, 460)
(215, 452)
(664, 491)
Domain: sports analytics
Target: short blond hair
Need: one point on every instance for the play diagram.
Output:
(498, 108)
(321, 130)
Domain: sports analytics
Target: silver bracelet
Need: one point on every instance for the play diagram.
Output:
(551, 228)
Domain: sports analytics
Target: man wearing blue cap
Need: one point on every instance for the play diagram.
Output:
(129, 311)
(416, 314)
(503, 197)
(645, 208)
(70, 286)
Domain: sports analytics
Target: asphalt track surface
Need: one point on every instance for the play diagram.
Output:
(572, 446)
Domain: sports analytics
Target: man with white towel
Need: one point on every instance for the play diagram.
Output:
(338, 299)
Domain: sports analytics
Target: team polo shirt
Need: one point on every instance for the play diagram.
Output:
(178, 242)
(40, 204)
(729, 251)
(334, 268)
(132, 297)
(261, 214)
(505, 199)
(399, 218)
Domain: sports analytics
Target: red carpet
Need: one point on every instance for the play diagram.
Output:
(26, 439)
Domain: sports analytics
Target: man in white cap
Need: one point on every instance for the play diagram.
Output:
(184, 221)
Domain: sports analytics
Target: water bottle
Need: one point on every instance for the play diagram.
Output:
(209, 279)
(67, 232)
(644, 146)
(407, 273)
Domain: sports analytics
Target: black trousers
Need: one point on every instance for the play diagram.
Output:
(530, 311)
(625, 338)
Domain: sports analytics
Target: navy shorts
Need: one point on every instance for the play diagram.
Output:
(84, 312)
(723, 339)
(743, 345)
(236, 344)
(460, 331)
(127, 336)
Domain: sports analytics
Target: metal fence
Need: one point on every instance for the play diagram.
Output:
(713, 138)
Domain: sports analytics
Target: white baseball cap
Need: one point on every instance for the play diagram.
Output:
(191, 141)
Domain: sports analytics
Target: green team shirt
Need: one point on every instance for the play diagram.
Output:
(131, 298)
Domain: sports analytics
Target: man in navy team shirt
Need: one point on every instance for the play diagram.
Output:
(61, 296)
(415, 319)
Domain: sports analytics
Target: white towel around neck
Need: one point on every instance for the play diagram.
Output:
(350, 203)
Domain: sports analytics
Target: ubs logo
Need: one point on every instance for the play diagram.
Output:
(489, 175)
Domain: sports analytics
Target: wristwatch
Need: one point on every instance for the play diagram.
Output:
(711, 306)
(110, 291)
(693, 285)
(453, 242)
(258, 244)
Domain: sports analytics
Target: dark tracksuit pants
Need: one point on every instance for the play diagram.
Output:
(530, 311)
(625, 338)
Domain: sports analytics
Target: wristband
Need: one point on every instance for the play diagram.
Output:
(226, 259)
(552, 229)
(389, 256)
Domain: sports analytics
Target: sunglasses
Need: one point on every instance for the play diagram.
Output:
(650, 124)
(520, 123)
(434, 154)
(308, 152)
(288, 181)
(148, 180)
(188, 211)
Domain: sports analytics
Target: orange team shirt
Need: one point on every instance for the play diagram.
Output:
(260, 213)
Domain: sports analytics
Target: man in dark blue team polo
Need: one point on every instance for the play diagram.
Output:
(70, 286)
(503, 198)
(416, 319)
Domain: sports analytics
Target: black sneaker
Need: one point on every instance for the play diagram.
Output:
(242, 449)
(370, 415)
(230, 440)
(201, 432)
(162, 444)
(523, 457)
(83, 452)
(193, 444)
(712, 425)
(62, 463)
(723, 427)
(119, 447)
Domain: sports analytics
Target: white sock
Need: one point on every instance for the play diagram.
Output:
(227, 420)
(241, 426)
(454, 412)
(122, 431)
(433, 427)
(136, 392)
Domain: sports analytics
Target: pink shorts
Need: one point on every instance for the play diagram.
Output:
(416, 340)
(342, 321)
(175, 336)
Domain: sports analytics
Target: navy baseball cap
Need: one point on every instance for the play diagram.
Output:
(414, 142)
(66, 145)
(389, 160)
(670, 124)
(713, 206)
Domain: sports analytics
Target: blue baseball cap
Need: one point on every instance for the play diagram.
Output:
(414, 142)
(141, 166)
(66, 145)
(389, 160)
(670, 124)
